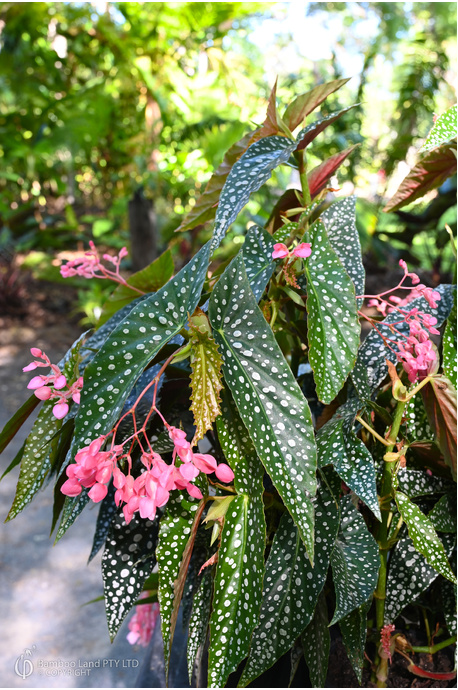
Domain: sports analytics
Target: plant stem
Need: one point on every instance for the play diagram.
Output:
(382, 538)
(372, 431)
(435, 648)
(303, 177)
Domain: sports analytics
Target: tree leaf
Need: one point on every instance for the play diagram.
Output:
(127, 561)
(409, 575)
(304, 104)
(354, 632)
(355, 562)
(320, 176)
(444, 129)
(149, 279)
(443, 515)
(257, 257)
(110, 377)
(291, 586)
(270, 124)
(206, 376)
(174, 532)
(340, 223)
(430, 172)
(316, 642)
(248, 174)
(308, 134)
(439, 398)
(268, 398)
(238, 586)
(424, 536)
(11, 428)
(416, 483)
(198, 624)
(449, 346)
(333, 325)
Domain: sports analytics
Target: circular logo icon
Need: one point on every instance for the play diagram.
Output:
(23, 667)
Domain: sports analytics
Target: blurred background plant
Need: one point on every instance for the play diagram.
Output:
(115, 114)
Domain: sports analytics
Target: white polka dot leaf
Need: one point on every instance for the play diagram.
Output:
(443, 514)
(416, 483)
(238, 586)
(333, 325)
(354, 632)
(257, 257)
(133, 343)
(270, 402)
(448, 596)
(198, 623)
(355, 562)
(444, 130)
(409, 575)
(291, 586)
(316, 643)
(177, 529)
(417, 425)
(449, 346)
(127, 561)
(107, 512)
(424, 536)
(337, 445)
(308, 134)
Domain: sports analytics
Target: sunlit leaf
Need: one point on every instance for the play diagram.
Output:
(320, 176)
(444, 129)
(304, 104)
(416, 483)
(308, 134)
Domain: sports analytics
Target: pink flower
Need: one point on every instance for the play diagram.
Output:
(224, 473)
(280, 251)
(385, 640)
(54, 385)
(60, 410)
(98, 492)
(141, 625)
(303, 250)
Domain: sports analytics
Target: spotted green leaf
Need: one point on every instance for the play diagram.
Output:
(424, 536)
(444, 129)
(291, 586)
(340, 223)
(316, 642)
(449, 346)
(333, 325)
(174, 532)
(127, 561)
(11, 428)
(247, 175)
(409, 575)
(238, 586)
(257, 257)
(373, 352)
(417, 483)
(206, 376)
(355, 562)
(417, 424)
(448, 592)
(198, 624)
(269, 400)
(110, 377)
(443, 515)
(107, 512)
(73, 507)
(308, 134)
(354, 632)
(338, 445)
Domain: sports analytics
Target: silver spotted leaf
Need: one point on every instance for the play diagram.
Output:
(355, 562)
(308, 134)
(333, 324)
(449, 346)
(418, 483)
(316, 643)
(127, 561)
(337, 445)
(409, 575)
(257, 257)
(198, 623)
(373, 352)
(340, 223)
(247, 175)
(269, 400)
(174, 532)
(448, 592)
(107, 511)
(291, 586)
(443, 515)
(354, 632)
(444, 130)
(424, 536)
(417, 425)
(73, 506)
(112, 374)
(238, 587)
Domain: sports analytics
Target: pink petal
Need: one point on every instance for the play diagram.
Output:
(30, 367)
(303, 250)
(206, 463)
(60, 410)
(147, 508)
(224, 473)
(119, 479)
(98, 492)
(194, 491)
(76, 397)
(43, 393)
(188, 471)
(36, 382)
(280, 251)
(36, 352)
(71, 488)
(60, 382)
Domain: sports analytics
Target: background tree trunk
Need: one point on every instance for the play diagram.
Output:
(143, 231)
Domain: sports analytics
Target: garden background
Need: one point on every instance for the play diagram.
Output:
(113, 117)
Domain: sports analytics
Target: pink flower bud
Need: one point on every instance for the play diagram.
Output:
(188, 471)
(30, 367)
(224, 473)
(60, 410)
(43, 393)
(76, 397)
(36, 382)
(303, 250)
(98, 492)
(71, 488)
(280, 251)
(60, 382)
(194, 491)
(36, 352)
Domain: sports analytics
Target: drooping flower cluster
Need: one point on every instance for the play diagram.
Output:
(385, 640)
(143, 622)
(94, 468)
(415, 351)
(53, 386)
(301, 251)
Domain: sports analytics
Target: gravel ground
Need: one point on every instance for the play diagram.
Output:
(43, 588)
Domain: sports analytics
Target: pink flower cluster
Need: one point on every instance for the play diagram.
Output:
(94, 468)
(302, 251)
(430, 295)
(141, 625)
(90, 265)
(53, 386)
(385, 639)
(417, 354)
